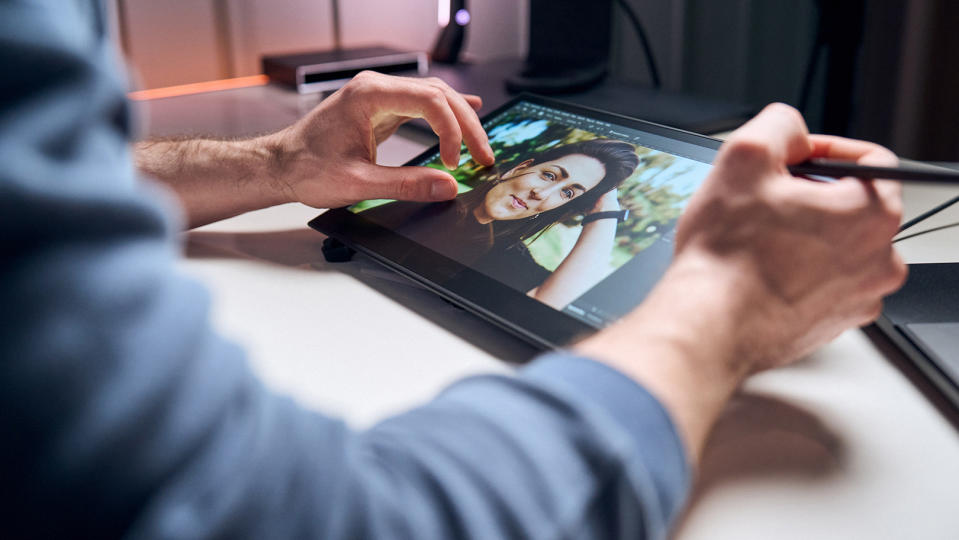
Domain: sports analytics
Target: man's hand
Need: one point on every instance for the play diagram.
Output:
(767, 267)
(815, 258)
(326, 159)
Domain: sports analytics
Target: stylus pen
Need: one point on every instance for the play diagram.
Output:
(839, 169)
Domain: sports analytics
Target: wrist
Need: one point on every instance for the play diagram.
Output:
(695, 310)
(681, 343)
(276, 161)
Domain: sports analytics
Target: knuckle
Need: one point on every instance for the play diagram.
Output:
(408, 189)
(879, 228)
(366, 75)
(360, 84)
(890, 195)
(351, 87)
(746, 149)
(886, 215)
(353, 180)
(872, 312)
(786, 110)
(893, 212)
(880, 155)
(878, 213)
(432, 98)
(435, 96)
(895, 190)
(891, 273)
(898, 274)
(851, 212)
(888, 156)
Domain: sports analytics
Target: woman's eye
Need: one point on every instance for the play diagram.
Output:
(568, 193)
(549, 176)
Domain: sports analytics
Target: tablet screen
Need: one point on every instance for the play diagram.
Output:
(578, 213)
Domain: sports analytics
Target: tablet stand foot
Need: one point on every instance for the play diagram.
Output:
(335, 251)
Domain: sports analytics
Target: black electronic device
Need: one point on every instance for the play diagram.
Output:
(568, 46)
(328, 70)
(497, 241)
(922, 320)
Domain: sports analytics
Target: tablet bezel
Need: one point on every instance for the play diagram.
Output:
(519, 314)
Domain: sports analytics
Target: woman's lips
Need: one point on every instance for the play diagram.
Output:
(518, 203)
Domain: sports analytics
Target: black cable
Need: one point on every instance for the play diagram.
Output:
(933, 211)
(813, 62)
(928, 214)
(641, 33)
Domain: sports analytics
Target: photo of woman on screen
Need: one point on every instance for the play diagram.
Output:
(488, 227)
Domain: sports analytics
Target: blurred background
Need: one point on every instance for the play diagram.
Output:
(882, 70)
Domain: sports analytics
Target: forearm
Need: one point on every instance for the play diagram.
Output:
(217, 179)
(157, 418)
(585, 265)
(156, 428)
(525, 457)
(681, 344)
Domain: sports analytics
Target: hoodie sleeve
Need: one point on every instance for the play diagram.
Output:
(123, 413)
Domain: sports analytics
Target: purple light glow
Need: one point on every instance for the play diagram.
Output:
(462, 17)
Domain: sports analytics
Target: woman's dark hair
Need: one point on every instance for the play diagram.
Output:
(618, 158)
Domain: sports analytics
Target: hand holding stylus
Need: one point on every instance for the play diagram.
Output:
(766, 268)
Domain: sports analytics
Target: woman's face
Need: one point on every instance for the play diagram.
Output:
(531, 188)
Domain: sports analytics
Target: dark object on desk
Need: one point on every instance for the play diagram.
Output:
(454, 17)
(568, 47)
(335, 251)
(328, 70)
(922, 320)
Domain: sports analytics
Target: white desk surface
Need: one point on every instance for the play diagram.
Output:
(840, 445)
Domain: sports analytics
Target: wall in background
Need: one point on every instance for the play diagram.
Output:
(757, 51)
(183, 41)
(260, 27)
(173, 41)
(746, 51)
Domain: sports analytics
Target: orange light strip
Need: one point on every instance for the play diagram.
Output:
(198, 88)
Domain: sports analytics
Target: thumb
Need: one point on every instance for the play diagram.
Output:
(409, 183)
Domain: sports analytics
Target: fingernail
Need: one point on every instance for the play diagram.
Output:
(442, 190)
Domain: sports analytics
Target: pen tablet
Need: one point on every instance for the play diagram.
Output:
(922, 320)
(565, 234)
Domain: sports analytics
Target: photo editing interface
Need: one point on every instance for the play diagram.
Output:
(668, 173)
(655, 193)
(601, 128)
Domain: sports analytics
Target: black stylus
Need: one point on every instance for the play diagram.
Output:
(839, 169)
